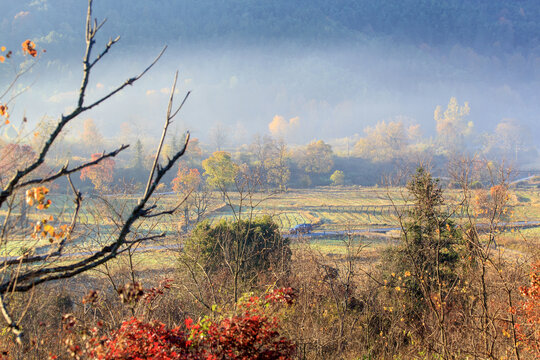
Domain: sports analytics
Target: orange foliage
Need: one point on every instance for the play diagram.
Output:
(4, 112)
(3, 58)
(100, 174)
(186, 179)
(36, 195)
(45, 230)
(528, 328)
(492, 203)
(29, 48)
(499, 194)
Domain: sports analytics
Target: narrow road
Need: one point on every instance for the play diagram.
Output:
(384, 230)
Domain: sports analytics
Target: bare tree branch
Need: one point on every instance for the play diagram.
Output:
(164, 133)
(61, 244)
(64, 170)
(106, 50)
(167, 212)
(25, 279)
(129, 81)
(65, 119)
(11, 324)
(31, 278)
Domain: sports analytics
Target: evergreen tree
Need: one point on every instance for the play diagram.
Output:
(425, 264)
(138, 161)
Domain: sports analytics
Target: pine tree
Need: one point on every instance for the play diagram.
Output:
(427, 258)
(138, 161)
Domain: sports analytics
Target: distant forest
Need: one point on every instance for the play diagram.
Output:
(491, 27)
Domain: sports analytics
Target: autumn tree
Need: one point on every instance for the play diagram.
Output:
(491, 297)
(186, 179)
(278, 165)
(510, 136)
(13, 156)
(91, 137)
(194, 154)
(386, 141)
(528, 311)
(271, 159)
(189, 184)
(317, 158)
(101, 174)
(452, 128)
(220, 170)
(260, 153)
(338, 177)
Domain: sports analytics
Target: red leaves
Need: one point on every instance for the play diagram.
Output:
(138, 340)
(251, 334)
(245, 336)
(151, 294)
(186, 179)
(281, 295)
(528, 328)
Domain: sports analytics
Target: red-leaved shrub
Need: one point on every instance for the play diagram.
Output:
(250, 332)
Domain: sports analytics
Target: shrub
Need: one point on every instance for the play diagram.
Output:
(249, 334)
(138, 340)
(337, 178)
(256, 246)
(252, 331)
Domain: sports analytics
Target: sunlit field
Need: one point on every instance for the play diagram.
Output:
(328, 209)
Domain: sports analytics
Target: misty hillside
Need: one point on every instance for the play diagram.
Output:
(492, 27)
(338, 66)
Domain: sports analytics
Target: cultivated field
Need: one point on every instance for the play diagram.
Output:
(329, 209)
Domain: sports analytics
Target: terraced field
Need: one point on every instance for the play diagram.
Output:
(327, 208)
(330, 209)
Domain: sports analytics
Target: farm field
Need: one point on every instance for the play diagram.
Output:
(329, 209)
(354, 208)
